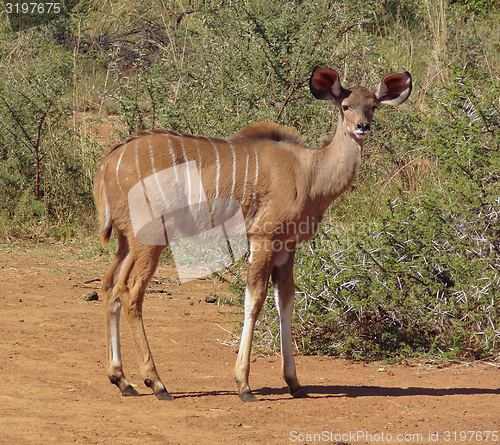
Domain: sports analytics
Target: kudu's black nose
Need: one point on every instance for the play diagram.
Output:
(363, 126)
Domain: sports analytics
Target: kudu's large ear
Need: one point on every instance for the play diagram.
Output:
(394, 89)
(325, 84)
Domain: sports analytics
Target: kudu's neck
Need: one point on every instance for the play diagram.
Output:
(336, 166)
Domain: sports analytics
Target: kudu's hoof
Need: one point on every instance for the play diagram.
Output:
(248, 397)
(165, 395)
(123, 385)
(300, 394)
(159, 390)
(130, 392)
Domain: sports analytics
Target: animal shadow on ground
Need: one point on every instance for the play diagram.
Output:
(317, 391)
(321, 391)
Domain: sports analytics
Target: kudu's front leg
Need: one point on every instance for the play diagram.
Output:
(284, 296)
(259, 270)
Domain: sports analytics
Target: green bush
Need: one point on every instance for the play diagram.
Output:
(45, 175)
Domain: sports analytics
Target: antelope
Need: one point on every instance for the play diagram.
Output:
(282, 188)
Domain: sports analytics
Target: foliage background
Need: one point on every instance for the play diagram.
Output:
(407, 262)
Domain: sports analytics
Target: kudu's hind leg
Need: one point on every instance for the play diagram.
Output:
(144, 260)
(112, 308)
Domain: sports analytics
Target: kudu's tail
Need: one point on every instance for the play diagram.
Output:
(102, 204)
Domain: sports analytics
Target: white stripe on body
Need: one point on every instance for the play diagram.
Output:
(140, 179)
(137, 167)
(256, 175)
(187, 171)
(153, 170)
(118, 167)
(172, 156)
(217, 161)
(233, 178)
(202, 192)
(246, 175)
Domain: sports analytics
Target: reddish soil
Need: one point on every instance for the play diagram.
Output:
(54, 387)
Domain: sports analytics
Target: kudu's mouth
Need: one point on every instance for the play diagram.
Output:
(361, 134)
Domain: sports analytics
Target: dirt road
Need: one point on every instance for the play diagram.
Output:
(54, 388)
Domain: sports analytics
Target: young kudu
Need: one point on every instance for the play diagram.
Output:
(282, 188)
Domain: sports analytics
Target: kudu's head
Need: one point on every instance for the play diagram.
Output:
(357, 104)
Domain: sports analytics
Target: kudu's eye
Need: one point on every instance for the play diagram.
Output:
(345, 107)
